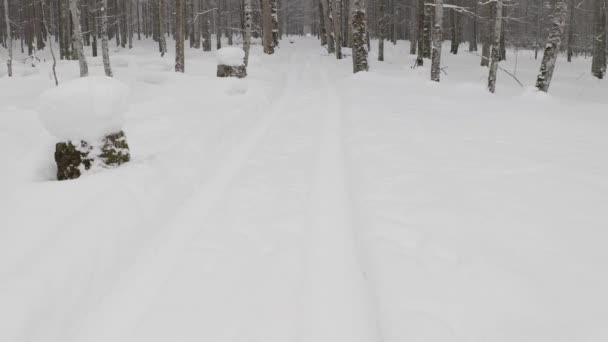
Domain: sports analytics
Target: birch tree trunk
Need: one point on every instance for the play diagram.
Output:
(437, 41)
(495, 48)
(162, 24)
(105, 50)
(274, 16)
(206, 27)
(9, 43)
(248, 23)
(547, 66)
(78, 42)
(179, 36)
(428, 28)
(598, 64)
(359, 36)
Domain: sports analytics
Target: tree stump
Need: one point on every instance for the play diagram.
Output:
(75, 159)
(231, 71)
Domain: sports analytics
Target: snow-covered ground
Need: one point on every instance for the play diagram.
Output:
(313, 205)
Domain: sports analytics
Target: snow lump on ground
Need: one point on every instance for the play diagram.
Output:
(87, 108)
(231, 56)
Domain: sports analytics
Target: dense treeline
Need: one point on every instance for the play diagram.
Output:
(487, 28)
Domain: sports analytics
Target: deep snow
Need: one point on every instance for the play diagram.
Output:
(314, 206)
(85, 108)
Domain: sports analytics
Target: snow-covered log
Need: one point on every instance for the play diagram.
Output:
(231, 62)
(87, 116)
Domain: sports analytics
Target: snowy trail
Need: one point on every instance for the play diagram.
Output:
(229, 244)
(339, 294)
(137, 290)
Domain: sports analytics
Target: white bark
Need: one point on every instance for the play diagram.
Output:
(547, 66)
(495, 48)
(437, 38)
(105, 50)
(77, 38)
(248, 24)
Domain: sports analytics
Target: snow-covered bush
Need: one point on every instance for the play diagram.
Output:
(231, 62)
(87, 117)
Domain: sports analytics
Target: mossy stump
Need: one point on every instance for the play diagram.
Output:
(231, 71)
(74, 159)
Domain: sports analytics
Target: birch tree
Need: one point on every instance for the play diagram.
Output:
(78, 43)
(359, 36)
(496, 6)
(437, 41)
(247, 34)
(105, 50)
(543, 81)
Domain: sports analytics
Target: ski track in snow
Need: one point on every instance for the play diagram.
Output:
(335, 305)
(317, 207)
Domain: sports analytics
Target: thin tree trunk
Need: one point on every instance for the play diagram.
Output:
(420, 19)
(274, 16)
(195, 23)
(495, 48)
(598, 64)
(571, 30)
(179, 36)
(473, 42)
(78, 42)
(105, 50)
(381, 28)
(337, 5)
(206, 27)
(162, 21)
(9, 61)
(437, 41)
(218, 24)
(248, 25)
(547, 67)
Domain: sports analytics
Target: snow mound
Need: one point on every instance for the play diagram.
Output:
(84, 109)
(230, 56)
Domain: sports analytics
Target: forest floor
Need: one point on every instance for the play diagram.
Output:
(308, 204)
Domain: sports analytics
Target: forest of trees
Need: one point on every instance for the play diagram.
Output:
(486, 28)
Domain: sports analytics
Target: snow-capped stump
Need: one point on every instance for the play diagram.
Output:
(231, 62)
(87, 116)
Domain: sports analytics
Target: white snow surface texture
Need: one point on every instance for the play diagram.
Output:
(317, 206)
(231, 56)
(86, 108)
